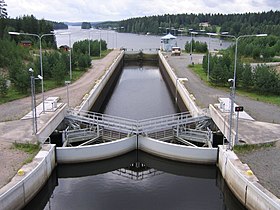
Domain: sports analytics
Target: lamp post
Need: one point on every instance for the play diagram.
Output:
(208, 64)
(176, 91)
(70, 53)
(41, 60)
(67, 89)
(233, 88)
(89, 41)
(192, 32)
(100, 43)
(33, 100)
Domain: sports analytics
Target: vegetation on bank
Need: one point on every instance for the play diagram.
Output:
(29, 148)
(241, 149)
(267, 98)
(18, 53)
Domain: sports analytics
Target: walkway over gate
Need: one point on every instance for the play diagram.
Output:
(134, 127)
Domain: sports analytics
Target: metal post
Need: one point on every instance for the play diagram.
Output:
(89, 43)
(191, 47)
(100, 43)
(208, 67)
(70, 52)
(236, 131)
(41, 64)
(67, 89)
(32, 102)
(35, 109)
(176, 91)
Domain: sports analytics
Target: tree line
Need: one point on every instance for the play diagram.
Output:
(261, 78)
(235, 24)
(15, 60)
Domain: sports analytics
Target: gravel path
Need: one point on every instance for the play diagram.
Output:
(11, 159)
(264, 162)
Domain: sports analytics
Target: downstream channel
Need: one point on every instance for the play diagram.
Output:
(136, 180)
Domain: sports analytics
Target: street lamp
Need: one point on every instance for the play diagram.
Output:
(233, 88)
(33, 100)
(89, 41)
(41, 61)
(176, 91)
(70, 49)
(100, 43)
(67, 84)
(192, 32)
(208, 66)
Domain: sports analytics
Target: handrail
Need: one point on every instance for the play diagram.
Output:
(134, 126)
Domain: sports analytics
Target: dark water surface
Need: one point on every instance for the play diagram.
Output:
(136, 180)
(140, 93)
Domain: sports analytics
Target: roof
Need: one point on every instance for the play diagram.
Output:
(169, 36)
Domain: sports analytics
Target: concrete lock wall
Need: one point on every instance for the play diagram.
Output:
(95, 152)
(220, 121)
(245, 186)
(185, 101)
(97, 95)
(178, 152)
(22, 188)
(52, 124)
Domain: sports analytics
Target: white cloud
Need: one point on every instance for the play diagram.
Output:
(96, 10)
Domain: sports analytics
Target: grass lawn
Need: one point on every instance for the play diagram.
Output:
(272, 99)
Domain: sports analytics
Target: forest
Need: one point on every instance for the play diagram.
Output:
(235, 24)
(16, 57)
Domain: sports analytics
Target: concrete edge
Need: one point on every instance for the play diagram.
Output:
(92, 96)
(29, 180)
(220, 121)
(52, 124)
(182, 91)
(243, 184)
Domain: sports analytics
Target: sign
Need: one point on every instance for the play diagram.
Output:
(239, 108)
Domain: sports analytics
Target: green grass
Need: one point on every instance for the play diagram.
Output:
(239, 149)
(31, 149)
(103, 54)
(272, 99)
(197, 68)
(12, 95)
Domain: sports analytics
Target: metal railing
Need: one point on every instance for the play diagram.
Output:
(133, 126)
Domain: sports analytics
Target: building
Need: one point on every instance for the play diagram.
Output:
(64, 48)
(167, 42)
(25, 43)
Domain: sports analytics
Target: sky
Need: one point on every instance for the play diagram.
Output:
(104, 10)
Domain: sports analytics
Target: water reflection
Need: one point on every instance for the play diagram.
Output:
(105, 185)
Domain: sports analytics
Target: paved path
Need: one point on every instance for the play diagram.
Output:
(206, 95)
(15, 110)
(13, 129)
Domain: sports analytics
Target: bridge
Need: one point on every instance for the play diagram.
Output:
(90, 126)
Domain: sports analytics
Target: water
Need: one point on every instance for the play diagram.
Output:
(140, 93)
(166, 185)
(128, 40)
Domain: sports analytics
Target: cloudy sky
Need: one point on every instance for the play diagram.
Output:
(102, 10)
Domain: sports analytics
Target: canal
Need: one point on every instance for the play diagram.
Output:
(136, 180)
